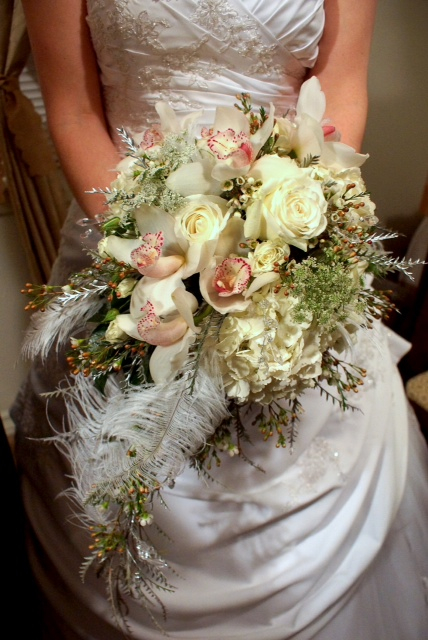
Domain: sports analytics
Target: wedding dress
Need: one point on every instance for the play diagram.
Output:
(328, 541)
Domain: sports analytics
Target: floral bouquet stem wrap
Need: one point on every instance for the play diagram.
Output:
(233, 269)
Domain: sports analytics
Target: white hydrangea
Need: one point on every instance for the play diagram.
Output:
(264, 351)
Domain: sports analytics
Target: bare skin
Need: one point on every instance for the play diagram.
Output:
(70, 83)
(69, 79)
(342, 65)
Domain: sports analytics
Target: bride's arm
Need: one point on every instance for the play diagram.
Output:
(68, 73)
(342, 65)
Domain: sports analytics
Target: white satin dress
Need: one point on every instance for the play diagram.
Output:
(330, 541)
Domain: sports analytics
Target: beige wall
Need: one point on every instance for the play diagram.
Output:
(397, 127)
(397, 140)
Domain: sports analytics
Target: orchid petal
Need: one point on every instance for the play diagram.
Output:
(149, 251)
(221, 304)
(223, 171)
(128, 324)
(159, 293)
(260, 281)
(169, 121)
(308, 138)
(164, 267)
(231, 238)
(194, 178)
(188, 121)
(168, 118)
(311, 100)
(151, 219)
(253, 222)
(148, 321)
(166, 333)
(230, 118)
(198, 257)
(120, 248)
(166, 362)
(231, 277)
(341, 156)
(186, 304)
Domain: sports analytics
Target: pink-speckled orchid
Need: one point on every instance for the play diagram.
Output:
(182, 243)
(157, 252)
(167, 323)
(227, 285)
(226, 154)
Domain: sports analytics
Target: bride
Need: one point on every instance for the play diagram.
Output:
(330, 542)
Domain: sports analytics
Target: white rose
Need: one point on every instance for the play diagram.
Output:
(202, 218)
(199, 222)
(267, 254)
(114, 333)
(289, 204)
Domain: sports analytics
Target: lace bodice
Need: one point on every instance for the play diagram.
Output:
(197, 54)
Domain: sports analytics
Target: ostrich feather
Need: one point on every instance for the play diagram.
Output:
(147, 432)
(58, 321)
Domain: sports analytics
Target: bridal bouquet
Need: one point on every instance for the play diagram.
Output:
(232, 269)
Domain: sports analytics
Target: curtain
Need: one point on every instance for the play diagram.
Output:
(32, 180)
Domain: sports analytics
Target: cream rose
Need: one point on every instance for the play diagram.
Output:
(199, 222)
(289, 204)
(202, 218)
(267, 254)
(114, 333)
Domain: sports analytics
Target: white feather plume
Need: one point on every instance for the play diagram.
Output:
(57, 323)
(148, 432)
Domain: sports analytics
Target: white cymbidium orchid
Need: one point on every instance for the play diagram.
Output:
(171, 123)
(310, 134)
(167, 361)
(156, 252)
(159, 292)
(228, 153)
(227, 285)
(170, 328)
